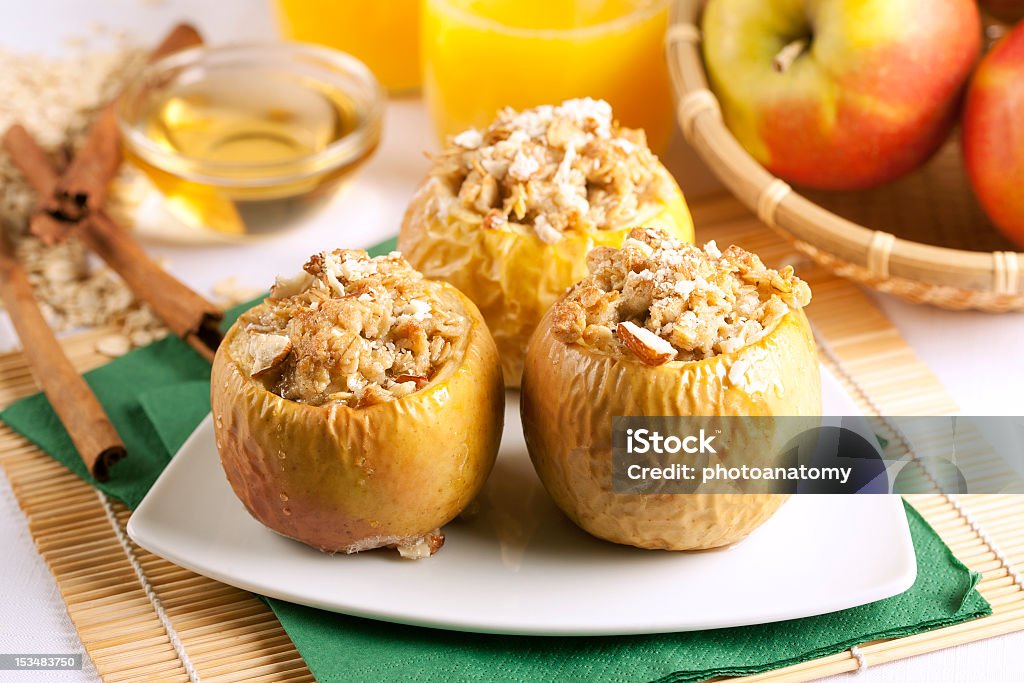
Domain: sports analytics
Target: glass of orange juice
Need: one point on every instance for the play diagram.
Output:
(481, 55)
(383, 34)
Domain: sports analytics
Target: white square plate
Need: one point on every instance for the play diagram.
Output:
(520, 567)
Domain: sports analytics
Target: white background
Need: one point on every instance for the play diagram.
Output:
(979, 357)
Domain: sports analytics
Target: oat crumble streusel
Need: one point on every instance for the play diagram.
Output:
(350, 330)
(662, 300)
(550, 169)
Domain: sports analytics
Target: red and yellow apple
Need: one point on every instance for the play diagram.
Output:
(993, 134)
(840, 94)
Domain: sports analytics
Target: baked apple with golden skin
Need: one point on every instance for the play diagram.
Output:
(359, 406)
(664, 328)
(508, 214)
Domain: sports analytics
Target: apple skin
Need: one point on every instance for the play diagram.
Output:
(993, 134)
(1008, 11)
(874, 94)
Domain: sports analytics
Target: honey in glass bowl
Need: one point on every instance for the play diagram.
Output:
(482, 55)
(245, 140)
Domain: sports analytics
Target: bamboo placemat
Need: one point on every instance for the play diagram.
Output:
(142, 618)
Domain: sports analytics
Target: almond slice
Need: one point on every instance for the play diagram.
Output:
(645, 345)
(420, 380)
(268, 351)
(285, 287)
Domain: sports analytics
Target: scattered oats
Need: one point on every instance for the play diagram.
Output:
(61, 272)
(228, 292)
(142, 338)
(143, 319)
(56, 100)
(114, 345)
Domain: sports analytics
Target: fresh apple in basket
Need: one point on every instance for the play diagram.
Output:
(840, 94)
(993, 134)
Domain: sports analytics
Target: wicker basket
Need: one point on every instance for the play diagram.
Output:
(928, 240)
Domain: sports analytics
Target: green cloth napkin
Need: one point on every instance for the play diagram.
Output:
(340, 648)
(165, 363)
(157, 395)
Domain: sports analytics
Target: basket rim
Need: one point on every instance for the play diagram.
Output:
(886, 258)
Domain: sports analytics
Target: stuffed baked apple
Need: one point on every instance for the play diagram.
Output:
(508, 214)
(359, 406)
(663, 328)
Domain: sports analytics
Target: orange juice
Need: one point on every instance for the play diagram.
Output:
(482, 55)
(384, 34)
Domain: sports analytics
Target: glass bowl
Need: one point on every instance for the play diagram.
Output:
(249, 139)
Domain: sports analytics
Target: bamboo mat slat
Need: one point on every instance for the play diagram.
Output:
(229, 635)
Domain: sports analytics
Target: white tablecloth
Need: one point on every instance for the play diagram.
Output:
(977, 356)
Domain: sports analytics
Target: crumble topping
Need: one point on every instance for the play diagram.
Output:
(409, 547)
(549, 169)
(350, 330)
(660, 300)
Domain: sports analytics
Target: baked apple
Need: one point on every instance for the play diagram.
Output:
(359, 406)
(509, 213)
(664, 328)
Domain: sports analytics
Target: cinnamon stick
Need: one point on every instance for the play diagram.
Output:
(181, 37)
(86, 422)
(37, 167)
(185, 312)
(83, 187)
(32, 160)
